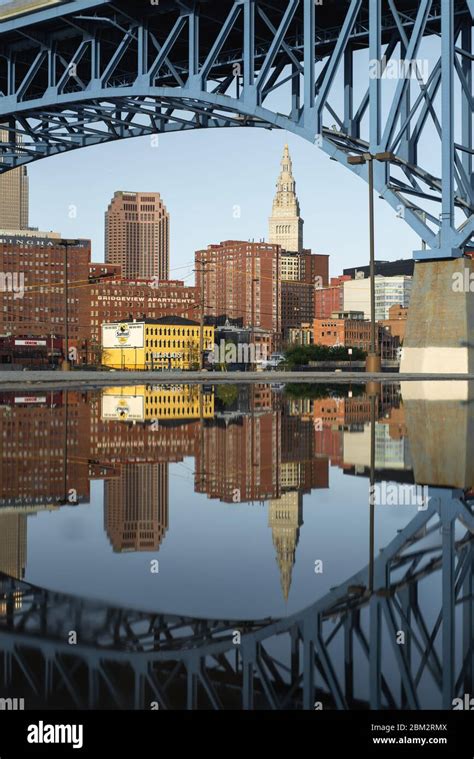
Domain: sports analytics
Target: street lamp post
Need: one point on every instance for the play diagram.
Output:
(373, 361)
(66, 365)
(203, 268)
(255, 280)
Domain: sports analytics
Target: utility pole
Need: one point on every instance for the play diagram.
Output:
(373, 361)
(201, 321)
(66, 365)
(201, 271)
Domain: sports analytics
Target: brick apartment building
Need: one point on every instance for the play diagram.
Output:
(353, 331)
(32, 294)
(240, 281)
(126, 300)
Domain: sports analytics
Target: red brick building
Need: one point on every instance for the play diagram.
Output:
(330, 299)
(118, 300)
(314, 267)
(32, 289)
(297, 304)
(397, 321)
(240, 281)
(353, 333)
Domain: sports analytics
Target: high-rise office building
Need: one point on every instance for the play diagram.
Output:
(285, 223)
(14, 197)
(137, 235)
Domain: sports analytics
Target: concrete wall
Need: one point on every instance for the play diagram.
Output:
(440, 327)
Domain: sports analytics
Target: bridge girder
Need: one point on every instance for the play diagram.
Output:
(320, 655)
(86, 73)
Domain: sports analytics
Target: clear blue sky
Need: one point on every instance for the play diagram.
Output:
(201, 176)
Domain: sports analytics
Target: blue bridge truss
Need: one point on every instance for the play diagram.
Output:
(399, 634)
(390, 77)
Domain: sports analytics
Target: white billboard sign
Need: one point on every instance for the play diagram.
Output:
(123, 335)
(125, 408)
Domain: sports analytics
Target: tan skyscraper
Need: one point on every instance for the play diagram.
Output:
(14, 197)
(136, 507)
(13, 545)
(137, 235)
(285, 223)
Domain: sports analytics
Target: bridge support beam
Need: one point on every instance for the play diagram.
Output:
(440, 318)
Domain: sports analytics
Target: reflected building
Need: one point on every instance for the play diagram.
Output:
(13, 545)
(142, 403)
(45, 449)
(285, 517)
(136, 507)
(239, 461)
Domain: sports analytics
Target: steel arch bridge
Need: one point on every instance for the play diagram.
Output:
(342, 652)
(84, 72)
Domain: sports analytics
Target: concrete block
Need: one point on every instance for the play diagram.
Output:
(440, 328)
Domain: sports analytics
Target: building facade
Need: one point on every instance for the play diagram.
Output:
(352, 330)
(137, 235)
(155, 344)
(14, 195)
(331, 298)
(397, 321)
(389, 291)
(117, 300)
(32, 289)
(297, 304)
(302, 335)
(136, 507)
(240, 281)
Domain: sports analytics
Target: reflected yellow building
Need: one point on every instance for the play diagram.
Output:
(155, 344)
(142, 403)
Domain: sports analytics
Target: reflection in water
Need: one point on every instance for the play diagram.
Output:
(391, 623)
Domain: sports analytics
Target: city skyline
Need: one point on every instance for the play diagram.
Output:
(238, 210)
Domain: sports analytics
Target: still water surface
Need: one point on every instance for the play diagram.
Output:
(238, 504)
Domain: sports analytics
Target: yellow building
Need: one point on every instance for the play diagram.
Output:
(154, 344)
(142, 403)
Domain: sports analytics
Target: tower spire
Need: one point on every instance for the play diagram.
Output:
(285, 223)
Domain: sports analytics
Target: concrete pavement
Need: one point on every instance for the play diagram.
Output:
(87, 379)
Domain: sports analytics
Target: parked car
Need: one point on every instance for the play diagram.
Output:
(272, 363)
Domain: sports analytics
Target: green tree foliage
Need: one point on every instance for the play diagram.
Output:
(227, 394)
(301, 355)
